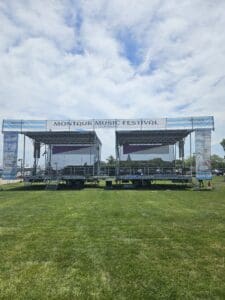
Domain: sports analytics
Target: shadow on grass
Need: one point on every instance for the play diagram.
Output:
(159, 186)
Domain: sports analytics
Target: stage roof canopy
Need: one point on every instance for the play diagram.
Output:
(156, 137)
(64, 137)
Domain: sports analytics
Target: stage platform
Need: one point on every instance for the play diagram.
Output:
(70, 150)
(128, 177)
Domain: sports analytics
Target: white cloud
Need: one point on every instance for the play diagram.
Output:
(68, 59)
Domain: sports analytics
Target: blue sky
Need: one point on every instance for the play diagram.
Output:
(113, 59)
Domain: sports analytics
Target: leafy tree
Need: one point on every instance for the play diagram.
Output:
(217, 162)
(111, 160)
(179, 163)
(190, 162)
(102, 163)
(222, 143)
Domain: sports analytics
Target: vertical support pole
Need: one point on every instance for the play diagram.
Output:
(98, 150)
(50, 159)
(175, 155)
(37, 146)
(117, 155)
(94, 147)
(34, 164)
(90, 148)
(24, 154)
(45, 158)
(183, 163)
(191, 166)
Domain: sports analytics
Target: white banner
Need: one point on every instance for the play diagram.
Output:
(203, 153)
(71, 125)
(10, 149)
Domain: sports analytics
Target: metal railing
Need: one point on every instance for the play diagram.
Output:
(152, 171)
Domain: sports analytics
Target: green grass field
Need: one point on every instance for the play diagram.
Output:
(119, 244)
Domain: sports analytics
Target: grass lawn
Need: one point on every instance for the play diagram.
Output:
(121, 244)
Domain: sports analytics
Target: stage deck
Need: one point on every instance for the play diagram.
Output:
(129, 177)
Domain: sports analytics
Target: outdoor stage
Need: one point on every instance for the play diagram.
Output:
(72, 150)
